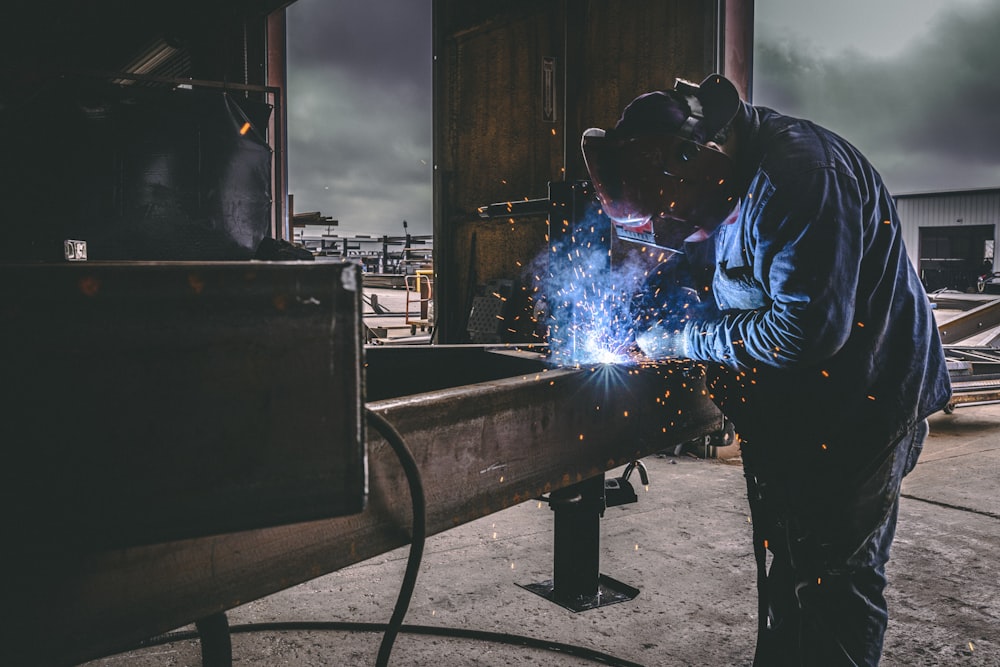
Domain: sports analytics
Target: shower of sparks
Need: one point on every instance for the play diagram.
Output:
(587, 304)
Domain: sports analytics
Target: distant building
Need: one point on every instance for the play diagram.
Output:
(950, 235)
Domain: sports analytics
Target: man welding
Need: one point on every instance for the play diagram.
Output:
(817, 336)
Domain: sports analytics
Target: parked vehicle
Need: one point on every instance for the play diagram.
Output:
(988, 283)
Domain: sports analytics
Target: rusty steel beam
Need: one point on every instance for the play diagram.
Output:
(970, 323)
(480, 448)
(975, 393)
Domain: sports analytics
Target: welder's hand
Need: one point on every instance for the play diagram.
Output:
(663, 341)
(660, 318)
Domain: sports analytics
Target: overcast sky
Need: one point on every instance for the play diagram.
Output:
(912, 83)
(359, 113)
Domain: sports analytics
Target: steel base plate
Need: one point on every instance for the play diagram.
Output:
(609, 591)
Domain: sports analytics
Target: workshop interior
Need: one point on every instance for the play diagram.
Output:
(211, 415)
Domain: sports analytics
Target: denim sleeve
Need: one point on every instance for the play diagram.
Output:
(805, 245)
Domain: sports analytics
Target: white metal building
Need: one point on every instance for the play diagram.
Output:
(950, 235)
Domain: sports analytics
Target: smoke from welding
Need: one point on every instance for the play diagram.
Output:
(585, 299)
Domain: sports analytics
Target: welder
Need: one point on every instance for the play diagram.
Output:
(790, 282)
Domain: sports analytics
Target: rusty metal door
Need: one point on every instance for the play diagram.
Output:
(516, 83)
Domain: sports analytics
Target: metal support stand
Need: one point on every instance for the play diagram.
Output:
(216, 643)
(577, 583)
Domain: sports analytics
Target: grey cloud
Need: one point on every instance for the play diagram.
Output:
(370, 38)
(360, 150)
(926, 117)
(954, 72)
(360, 121)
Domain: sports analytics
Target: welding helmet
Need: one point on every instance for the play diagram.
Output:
(654, 173)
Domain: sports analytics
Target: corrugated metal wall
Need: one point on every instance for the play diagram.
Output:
(946, 209)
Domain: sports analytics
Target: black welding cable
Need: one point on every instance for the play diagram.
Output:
(395, 626)
(419, 531)
(574, 650)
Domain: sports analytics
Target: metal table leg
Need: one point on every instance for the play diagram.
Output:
(216, 643)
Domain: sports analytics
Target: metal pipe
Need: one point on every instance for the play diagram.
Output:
(515, 209)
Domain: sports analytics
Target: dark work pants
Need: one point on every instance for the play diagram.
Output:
(823, 609)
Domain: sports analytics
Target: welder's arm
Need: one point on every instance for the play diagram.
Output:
(807, 248)
(663, 307)
(664, 337)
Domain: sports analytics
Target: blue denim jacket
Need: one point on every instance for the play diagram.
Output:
(823, 335)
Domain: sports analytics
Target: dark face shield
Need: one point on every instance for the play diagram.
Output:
(660, 185)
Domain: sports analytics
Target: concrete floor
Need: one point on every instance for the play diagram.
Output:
(686, 545)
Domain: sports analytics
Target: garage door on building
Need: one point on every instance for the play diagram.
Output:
(953, 257)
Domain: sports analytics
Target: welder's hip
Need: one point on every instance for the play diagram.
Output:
(828, 516)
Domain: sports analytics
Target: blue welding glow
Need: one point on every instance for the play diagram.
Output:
(603, 356)
(587, 303)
